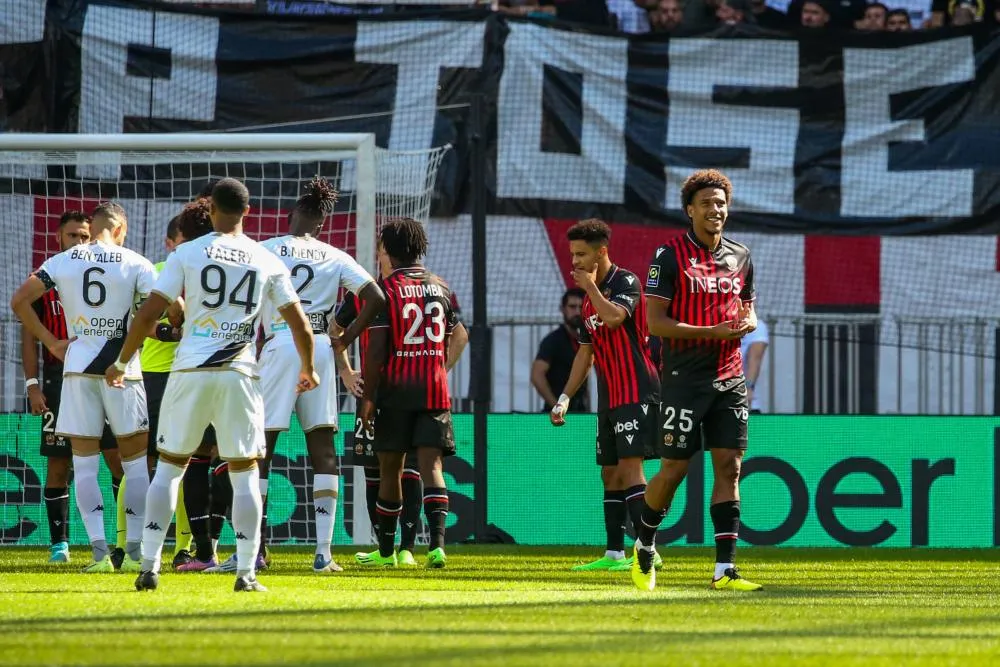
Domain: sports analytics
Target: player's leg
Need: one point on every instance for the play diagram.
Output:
(413, 497)
(393, 440)
(113, 460)
(326, 489)
(81, 419)
(364, 455)
(264, 467)
(126, 410)
(221, 502)
(188, 394)
(613, 505)
(58, 455)
(372, 482)
(197, 498)
(726, 435)
(434, 439)
(636, 428)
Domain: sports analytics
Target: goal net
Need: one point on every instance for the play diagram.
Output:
(153, 177)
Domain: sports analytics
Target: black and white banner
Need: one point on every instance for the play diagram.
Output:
(854, 134)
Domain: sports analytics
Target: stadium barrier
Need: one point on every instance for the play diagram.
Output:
(890, 481)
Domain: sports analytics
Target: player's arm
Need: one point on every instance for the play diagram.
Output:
(661, 282)
(754, 360)
(375, 357)
(582, 363)
(302, 335)
(539, 367)
(748, 313)
(372, 303)
(352, 379)
(30, 291)
(457, 342)
(611, 311)
(29, 363)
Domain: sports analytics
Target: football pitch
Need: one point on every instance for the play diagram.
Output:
(516, 605)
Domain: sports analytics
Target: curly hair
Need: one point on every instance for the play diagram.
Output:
(591, 230)
(319, 198)
(194, 220)
(705, 178)
(404, 239)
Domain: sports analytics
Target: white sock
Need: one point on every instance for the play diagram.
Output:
(325, 490)
(262, 485)
(720, 569)
(89, 499)
(215, 545)
(247, 513)
(136, 486)
(615, 555)
(161, 500)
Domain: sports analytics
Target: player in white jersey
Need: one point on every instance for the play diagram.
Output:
(100, 285)
(227, 279)
(319, 271)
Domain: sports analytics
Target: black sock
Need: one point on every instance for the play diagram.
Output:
(436, 510)
(57, 509)
(371, 495)
(388, 516)
(197, 499)
(614, 519)
(222, 498)
(726, 519)
(649, 522)
(116, 483)
(410, 518)
(635, 500)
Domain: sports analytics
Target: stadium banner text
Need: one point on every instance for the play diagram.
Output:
(809, 481)
(886, 133)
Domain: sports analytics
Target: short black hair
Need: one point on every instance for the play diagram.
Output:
(230, 196)
(705, 178)
(570, 293)
(194, 220)
(319, 198)
(173, 227)
(879, 4)
(404, 239)
(110, 209)
(591, 230)
(72, 216)
(899, 12)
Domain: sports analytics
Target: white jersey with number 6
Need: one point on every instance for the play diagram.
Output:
(226, 281)
(318, 272)
(99, 286)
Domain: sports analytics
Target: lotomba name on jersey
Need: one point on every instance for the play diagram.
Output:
(222, 254)
(91, 256)
(715, 284)
(302, 253)
(413, 291)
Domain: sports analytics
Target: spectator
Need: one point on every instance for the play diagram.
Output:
(768, 17)
(630, 17)
(898, 20)
(554, 360)
(946, 12)
(752, 347)
(733, 12)
(815, 15)
(700, 15)
(875, 17)
(665, 15)
(586, 12)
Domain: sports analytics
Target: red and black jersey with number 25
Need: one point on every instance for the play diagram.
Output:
(704, 288)
(420, 318)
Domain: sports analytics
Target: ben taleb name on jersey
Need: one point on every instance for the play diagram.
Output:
(302, 253)
(89, 255)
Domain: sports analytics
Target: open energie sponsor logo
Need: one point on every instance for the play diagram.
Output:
(208, 327)
(105, 327)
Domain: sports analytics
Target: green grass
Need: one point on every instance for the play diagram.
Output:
(516, 606)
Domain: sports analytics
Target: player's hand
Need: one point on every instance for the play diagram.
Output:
(728, 330)
(585, 279)
(59, 349)
(36, 399)
(366, 415)
(114, 377)
(308, 380)
(746, 318)
(353, 382)
(558, 414)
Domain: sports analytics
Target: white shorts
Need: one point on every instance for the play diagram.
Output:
(279, 374)
(86, 402)
(227, 399)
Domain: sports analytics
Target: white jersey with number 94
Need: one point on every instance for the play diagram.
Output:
(226, 282)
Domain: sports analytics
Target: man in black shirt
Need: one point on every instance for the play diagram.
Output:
(552, 364)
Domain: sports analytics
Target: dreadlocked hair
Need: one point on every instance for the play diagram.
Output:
(319, 197)
(404, 239)
(194, 220)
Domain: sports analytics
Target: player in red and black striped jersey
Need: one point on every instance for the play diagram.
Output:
(614, 339)
(364, 453)
(406, 367)
(701, 289)
(43, 398)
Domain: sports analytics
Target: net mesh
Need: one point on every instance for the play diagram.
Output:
(36, 188)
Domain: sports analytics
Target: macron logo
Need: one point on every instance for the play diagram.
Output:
(630, 438)
(630, 279)
(659, 251)
(693, 260)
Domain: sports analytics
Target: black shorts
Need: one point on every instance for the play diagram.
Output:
(57, 446)
(712, 415)
(407, 430)
(360, 448)
(628, 431)
(156, 385)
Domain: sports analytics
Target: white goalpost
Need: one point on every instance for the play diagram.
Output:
(153, 176)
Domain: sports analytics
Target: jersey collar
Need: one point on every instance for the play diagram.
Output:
(611, 274)
(696, 241)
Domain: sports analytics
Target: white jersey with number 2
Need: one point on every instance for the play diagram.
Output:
(227, 281)
(99, 286)
(318, 272)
